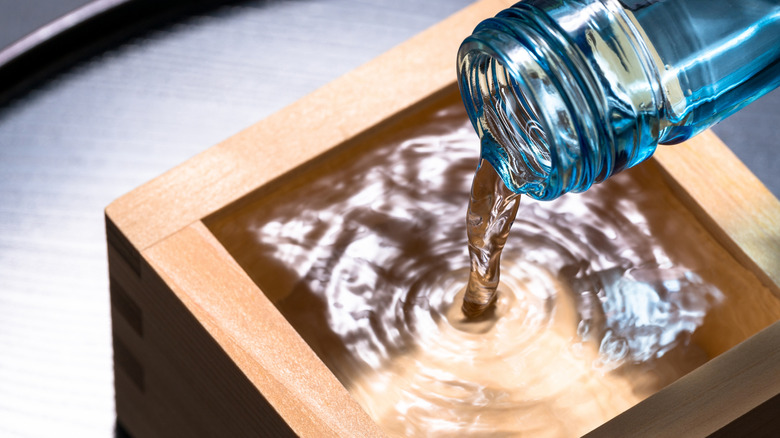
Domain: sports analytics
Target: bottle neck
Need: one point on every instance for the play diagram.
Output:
(562, 95)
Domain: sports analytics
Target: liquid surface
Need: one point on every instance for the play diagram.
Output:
(368, 262)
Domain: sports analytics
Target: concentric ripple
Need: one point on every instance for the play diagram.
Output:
(369, 262)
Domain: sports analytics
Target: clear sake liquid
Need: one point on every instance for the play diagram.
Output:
(367, 260)
(491, 211)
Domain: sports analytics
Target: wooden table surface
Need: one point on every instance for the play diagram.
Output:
(126, 113)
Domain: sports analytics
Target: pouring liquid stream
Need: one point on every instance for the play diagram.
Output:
(491, 212)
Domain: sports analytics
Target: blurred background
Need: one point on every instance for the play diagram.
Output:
(96, 101)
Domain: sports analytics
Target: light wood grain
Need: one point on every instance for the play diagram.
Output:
(729, 200)
(256, 336)
(710, 397)
(172, 378)
(198, 300)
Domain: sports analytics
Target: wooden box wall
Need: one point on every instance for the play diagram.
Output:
(201, 351)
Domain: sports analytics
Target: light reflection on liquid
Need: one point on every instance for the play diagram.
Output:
(369, 263)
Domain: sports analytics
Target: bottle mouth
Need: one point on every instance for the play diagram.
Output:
(512, 131)
(527, 103)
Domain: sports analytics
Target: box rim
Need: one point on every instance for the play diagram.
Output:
(142, 222)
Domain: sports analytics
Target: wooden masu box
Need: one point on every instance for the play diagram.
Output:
(200, 350)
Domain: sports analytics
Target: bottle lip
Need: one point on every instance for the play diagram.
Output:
(511, 126)
(556, 79)
(532, 124)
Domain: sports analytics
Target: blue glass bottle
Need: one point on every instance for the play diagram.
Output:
(565, 93)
